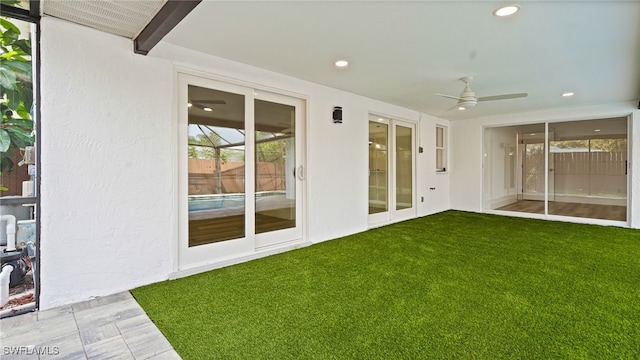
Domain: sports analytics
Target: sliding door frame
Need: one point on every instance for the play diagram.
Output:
(228, 252)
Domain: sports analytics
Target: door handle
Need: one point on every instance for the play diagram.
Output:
(299, 172)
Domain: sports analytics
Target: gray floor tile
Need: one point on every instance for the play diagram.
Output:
(110, 327)
(133, 323)
(61, 310)
(90, 335)
(103, 300)
(108, 313)
(65, 348)
(112, 348)
(146, 341)
(167, 355)
(19, 354)
(51, 329)
(7, 325)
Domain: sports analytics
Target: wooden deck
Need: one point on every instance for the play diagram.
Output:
(212, 230)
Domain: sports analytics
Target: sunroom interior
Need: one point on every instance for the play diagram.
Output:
(202, 167)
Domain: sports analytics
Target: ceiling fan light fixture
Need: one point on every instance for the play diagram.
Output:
(341, 63)
(462, 108)
(506, 10)
(567, 94)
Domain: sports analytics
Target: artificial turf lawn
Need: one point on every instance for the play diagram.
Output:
(450, 285)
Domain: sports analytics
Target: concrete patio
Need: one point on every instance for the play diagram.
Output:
(110, 327)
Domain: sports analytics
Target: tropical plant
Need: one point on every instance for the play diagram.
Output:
(16, 129)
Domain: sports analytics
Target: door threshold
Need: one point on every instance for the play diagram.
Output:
(259, 253)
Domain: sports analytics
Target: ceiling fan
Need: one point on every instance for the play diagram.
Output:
(206, 104)
(468, 99)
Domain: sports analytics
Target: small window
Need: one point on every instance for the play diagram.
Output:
(441, 151)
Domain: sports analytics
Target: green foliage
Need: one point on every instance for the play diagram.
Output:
(203, 147)
(453, 285)
(270, 151)
(16, 129)
(608, 145)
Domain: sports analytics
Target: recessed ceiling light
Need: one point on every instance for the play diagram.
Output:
(567, 94)
(597, 130)
(506, 10)
(533, 134)
(341, 63)
(207, 109)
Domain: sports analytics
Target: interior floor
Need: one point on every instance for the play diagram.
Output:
(206, 231)
(375, 210)
(591, 211)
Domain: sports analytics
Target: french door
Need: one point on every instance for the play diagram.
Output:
(240, 172)
(391, 170)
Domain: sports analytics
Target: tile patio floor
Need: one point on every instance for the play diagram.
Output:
(110, 327)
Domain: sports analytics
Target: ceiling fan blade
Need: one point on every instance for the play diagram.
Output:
(449, 96)
(503, 97)
(220, 102)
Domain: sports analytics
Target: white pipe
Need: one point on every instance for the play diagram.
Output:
(5, 278)
(11, 231)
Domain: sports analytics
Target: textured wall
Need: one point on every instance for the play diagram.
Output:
(107, 208)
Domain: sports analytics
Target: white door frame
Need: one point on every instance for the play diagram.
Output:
(393, 215)
(227, 252)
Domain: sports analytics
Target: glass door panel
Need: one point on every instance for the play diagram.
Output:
(590, 169)
(216, 175)
(378, 164)
(404, 167)
(275, 192)
(279, 173)
(533, 166)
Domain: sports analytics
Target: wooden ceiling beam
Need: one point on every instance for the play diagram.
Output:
(171, 13)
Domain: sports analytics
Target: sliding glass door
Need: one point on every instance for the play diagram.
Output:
(575, 169)
(240, 172)
(589, 169)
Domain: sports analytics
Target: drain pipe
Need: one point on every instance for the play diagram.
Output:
(7, 269)
(11, 231)
(5, 278)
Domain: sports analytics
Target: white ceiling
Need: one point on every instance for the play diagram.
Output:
(403, 52)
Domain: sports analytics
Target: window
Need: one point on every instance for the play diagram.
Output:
(441, 151)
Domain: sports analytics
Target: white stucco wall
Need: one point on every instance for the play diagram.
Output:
(435, 200)
(107, 210)
(109, 192)
(466, 150)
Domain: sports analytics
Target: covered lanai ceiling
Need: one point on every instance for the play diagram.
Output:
(405, 52)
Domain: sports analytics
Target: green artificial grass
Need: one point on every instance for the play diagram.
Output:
(450, 285)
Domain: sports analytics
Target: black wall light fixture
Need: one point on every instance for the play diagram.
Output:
(337, 114)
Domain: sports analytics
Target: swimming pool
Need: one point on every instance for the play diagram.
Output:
(223, 201)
